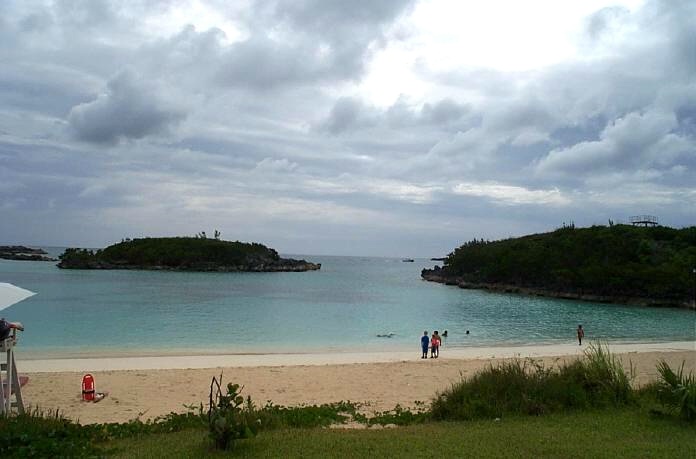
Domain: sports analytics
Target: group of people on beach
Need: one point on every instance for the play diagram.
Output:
(434, 342)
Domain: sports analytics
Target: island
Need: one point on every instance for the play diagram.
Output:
(22, 253)
(652, 266)
(183, 254)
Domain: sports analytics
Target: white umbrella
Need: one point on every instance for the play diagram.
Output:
(11, 294)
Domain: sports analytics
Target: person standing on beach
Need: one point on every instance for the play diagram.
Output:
(424, 345)
(435, 345)
(581, 335)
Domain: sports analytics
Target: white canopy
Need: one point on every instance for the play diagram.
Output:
(11, 294)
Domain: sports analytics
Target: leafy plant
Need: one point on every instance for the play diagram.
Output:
(401, 416)
(278, 416)
(677, 390)
(230, 417)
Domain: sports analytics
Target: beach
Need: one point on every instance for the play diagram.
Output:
(151, 386)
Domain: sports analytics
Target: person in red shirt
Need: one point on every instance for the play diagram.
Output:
(435, 345)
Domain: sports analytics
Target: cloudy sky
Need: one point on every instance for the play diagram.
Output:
(391, 127)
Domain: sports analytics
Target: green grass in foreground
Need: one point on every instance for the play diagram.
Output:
(627, 432)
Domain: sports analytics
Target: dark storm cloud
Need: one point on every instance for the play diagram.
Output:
(127, 109)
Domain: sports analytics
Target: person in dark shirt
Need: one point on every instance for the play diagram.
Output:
(424, 344)
(7, 327)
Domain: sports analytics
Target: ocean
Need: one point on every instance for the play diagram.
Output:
(341, 308)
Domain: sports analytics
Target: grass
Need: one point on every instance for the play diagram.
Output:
(610, 433)
(527, 387)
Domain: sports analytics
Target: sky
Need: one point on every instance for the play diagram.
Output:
(391, 128)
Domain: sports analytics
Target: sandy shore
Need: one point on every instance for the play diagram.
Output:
(153, 386)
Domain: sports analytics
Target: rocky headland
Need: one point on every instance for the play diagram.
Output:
(440, 275)
(22, 253)
(621, 264)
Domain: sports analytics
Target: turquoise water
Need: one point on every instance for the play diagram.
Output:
(342, 307)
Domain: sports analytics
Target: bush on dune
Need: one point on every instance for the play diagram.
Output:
(527, 387)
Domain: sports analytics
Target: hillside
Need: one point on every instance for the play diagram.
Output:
(183, 254)
(618, 263)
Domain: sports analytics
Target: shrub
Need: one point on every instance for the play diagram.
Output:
(229, 417)
(527, 387)
(677, 391)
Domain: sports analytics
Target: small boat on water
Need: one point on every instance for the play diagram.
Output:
(408, 260)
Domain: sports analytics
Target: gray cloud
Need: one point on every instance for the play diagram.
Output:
(605, 21)
(312, 41)
(353, 115)
(127, 109)
(267, 135)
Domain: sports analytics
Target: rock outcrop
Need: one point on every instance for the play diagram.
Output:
(22, 253)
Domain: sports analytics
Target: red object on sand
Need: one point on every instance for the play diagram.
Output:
(88, 387)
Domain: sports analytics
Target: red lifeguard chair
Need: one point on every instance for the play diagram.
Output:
(88, 390)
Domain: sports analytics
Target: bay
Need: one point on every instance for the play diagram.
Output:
(341, 308)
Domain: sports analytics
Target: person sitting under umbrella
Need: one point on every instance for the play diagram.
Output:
(7, 327)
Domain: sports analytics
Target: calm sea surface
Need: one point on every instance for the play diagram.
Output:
(342, 307)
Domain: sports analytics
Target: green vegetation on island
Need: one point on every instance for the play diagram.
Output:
(184, 254)
(615, 263)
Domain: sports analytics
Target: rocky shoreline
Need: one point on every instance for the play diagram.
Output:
(441, 276)
(22, 253)
(281, 265)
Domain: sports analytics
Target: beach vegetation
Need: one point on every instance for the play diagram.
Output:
(400, 416)
(527, 387)
(615, 262)
(676, 390)
(39, 433)
(230, 416)
(307, 416)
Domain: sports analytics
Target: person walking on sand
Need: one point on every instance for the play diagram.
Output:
(581, 335)
(424, 345)
(435, 345)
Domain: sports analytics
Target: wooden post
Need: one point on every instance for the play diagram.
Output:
(9, 380)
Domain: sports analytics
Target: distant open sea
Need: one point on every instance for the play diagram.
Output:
(341, 308)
